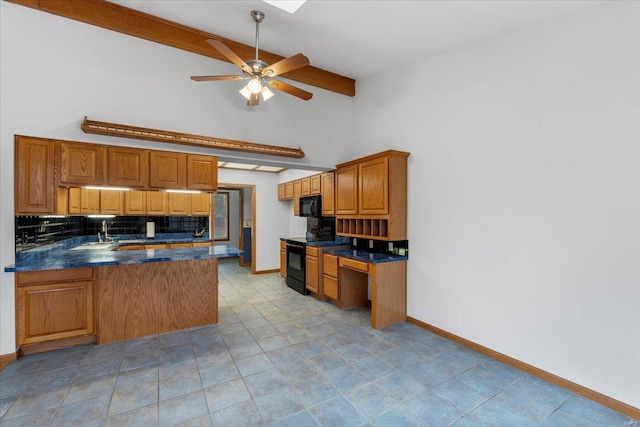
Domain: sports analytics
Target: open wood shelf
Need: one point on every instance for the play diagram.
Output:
(363, 227)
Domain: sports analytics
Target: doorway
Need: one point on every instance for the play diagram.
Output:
(241, 214)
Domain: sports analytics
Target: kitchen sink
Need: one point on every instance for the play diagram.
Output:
(94, 246)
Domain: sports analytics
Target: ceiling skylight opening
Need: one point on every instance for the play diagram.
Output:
(287, 5)
(250, 167)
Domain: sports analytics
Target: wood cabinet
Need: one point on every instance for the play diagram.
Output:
(312, 270)
(330, 286)
(128, 167)
(288, 190)
(328, 194)
(83, 201)
(297, 192)
(112, 202)
(200, 204)
(347, 190)
(202, 173)
(156, 203)
(35, 190)
(53, 305)
(179, 204)
(281, 192)
(305, 186)
(283, 259)
(316, 184)
(82, 164)
(371, 197)
(167, 170)
(135, 202)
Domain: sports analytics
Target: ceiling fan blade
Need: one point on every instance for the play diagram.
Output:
(291, 90)
(285, 65)
(253, 100)
(231, 55)
(208, 78)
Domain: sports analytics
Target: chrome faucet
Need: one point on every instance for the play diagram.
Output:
(107, 238)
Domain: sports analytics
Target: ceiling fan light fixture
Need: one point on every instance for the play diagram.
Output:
(266, 93)
(254, 86)
(245, 92)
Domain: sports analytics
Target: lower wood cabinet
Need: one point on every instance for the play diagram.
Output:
(330, 285)
(312, 270)
(54, 305)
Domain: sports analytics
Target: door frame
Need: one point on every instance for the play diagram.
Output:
(240, 187)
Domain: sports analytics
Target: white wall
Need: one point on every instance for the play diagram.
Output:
(234, 218)
(524, 195)
(54, 71)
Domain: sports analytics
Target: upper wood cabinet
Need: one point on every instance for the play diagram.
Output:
(200, 204)
(157, 203)
(347, 190)
(167, 170)
(82, 164)
(306, 186)
(281, 192)
(371, 196)
(202, 173)
(373, 187)
(179, 204)
(316, 186)
(35, 191)
(83, 201)
(135, 202)
(112, 202)
(328, 194)
(288, 190)
(128, 167)
(297, 192)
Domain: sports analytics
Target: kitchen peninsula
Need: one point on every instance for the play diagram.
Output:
(71, 293)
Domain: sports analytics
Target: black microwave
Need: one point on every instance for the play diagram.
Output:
(311, 206)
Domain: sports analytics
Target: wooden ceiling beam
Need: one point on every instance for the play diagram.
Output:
(138, 24)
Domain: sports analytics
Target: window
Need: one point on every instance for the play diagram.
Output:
(221, 220)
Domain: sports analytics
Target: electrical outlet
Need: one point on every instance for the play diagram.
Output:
(390, 246)
(370, 244)
(355, 242)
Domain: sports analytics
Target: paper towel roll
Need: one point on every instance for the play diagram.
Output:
(151, 230)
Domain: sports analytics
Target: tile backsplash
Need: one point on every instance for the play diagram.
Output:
(34, 231)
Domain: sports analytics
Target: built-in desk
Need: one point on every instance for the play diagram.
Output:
(345, 277)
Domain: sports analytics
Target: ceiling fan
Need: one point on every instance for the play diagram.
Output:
(259, 73)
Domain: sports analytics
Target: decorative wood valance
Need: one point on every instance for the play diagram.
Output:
(126, 131)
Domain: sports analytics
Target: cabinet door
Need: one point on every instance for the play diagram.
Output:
(167, 170)
(328, 194)
(112, 202)
(297, 192)
(156, 203)
(35, 191)
(82, 164)
(316, 186)
(83, 201)
(306, 186)
(202, 173)
(312, 274)
(373, 187)
(283, 263)
(179, 203)
(201, 204)
(330, 287)
(281, 192)
(135, 202)
(128, 167)
(288, 190)
(347, 190)
(51, 306)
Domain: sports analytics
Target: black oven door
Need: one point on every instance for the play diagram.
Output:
(296, 267)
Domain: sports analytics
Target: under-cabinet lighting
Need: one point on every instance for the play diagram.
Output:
(100, 216)
(90, 187)
(184, 191)
(52, 216)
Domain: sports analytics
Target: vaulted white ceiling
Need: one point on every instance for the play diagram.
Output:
(358, 38)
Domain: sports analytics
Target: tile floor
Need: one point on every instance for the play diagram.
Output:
(279, 358)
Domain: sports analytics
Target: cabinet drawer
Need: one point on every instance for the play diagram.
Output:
(312, 251)
(330, 265)
(354, 265)
(330, 287)
(48, 276)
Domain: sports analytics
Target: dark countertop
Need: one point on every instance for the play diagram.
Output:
(366, 256)
(61, 255)
(338, 241)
